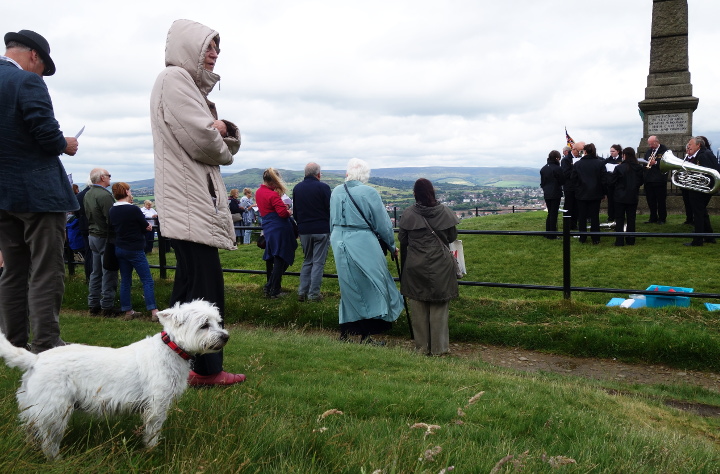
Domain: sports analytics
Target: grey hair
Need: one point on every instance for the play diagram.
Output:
(358, 170)
(566, 148)
(16, 45)
(312, 169)
(698, 141)
(96, 175)
(148, 201)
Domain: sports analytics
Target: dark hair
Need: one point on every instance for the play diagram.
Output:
(424, 192)
(629, 154)
(120, 190)
(553, 156)
(590, 149)
(618, 148)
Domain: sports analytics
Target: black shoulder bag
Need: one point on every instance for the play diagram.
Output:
(382, 243)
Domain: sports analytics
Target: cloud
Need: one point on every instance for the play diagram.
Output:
(402, 83)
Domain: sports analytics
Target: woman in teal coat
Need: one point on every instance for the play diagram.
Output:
(369, 298)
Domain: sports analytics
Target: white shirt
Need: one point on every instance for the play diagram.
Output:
(149, 214)
(5, 58)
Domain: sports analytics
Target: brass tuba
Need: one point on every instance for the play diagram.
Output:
(690, 176)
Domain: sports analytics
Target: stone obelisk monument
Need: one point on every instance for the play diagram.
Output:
(669, 104)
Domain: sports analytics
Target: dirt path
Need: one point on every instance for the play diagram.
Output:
(600, 369)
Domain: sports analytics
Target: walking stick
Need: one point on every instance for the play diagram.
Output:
(407, 311)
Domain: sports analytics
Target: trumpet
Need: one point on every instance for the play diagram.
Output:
(689, 175)
(652, 160)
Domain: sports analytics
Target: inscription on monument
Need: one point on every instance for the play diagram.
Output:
(659, 124)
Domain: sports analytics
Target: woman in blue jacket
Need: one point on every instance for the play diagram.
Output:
(369, 298)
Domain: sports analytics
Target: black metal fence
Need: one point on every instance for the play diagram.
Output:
(566, 288)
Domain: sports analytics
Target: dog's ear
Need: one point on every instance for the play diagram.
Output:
(163, 315)
(168, 313)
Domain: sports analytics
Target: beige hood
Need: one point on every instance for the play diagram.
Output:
(185, 47)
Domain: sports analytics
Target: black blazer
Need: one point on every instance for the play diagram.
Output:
(626, 180)
(653, 174)
(566, 164)
(588, 177)
(551, 181)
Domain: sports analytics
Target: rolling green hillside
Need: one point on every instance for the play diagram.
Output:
(400, 178)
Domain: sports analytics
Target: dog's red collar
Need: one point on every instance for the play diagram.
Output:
(166, 339)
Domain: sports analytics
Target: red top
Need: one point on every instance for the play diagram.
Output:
(268, 201)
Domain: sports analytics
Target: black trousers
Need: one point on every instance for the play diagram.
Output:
(699, 202)
(687, 204)
(589, 211)
(275, 268)
(87, 256)
(553, 206)
(571, 207)
(611, 205)
(656, 195)
(199, 275)
(625, 214)
(149, 241)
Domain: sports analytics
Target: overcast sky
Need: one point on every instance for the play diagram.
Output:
(394, 82)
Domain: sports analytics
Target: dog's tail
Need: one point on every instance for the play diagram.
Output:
(16, 356)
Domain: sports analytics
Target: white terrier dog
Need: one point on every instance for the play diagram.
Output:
(143, 377)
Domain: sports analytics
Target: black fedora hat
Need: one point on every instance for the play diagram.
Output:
(36, 42)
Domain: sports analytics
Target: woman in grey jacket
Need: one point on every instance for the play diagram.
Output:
(428, 271)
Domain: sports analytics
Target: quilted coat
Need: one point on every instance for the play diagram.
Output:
(189, 190)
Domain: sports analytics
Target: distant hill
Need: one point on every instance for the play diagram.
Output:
(498, 177)
(466, 176)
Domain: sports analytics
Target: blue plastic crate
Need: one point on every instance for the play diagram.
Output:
(661, 300)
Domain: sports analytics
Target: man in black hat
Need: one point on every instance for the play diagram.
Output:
(35, 195)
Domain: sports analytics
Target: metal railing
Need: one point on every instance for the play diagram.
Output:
(566, 288)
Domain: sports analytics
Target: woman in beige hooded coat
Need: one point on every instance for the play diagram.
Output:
(190, 144)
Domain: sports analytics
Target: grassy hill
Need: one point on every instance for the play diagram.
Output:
(400, 178)
(532, 319)
(403, 178)
(313, 404)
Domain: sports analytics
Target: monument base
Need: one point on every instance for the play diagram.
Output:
(669, 119)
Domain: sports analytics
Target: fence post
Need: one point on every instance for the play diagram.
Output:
(513, 209)
(566, 255)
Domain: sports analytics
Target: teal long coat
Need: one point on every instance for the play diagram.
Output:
(367, 290)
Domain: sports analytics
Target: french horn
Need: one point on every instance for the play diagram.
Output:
(689, 175)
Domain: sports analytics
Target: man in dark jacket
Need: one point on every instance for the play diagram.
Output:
(699, 201)
(566, 164)
(655, 182)
(32, 220)
(311, 209)
(588, 177)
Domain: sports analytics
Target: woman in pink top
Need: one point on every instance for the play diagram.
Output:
(278, 230)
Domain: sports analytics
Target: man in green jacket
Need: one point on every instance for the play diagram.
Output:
(103, 283)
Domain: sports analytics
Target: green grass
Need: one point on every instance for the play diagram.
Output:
(686, 338)
(272, 422)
